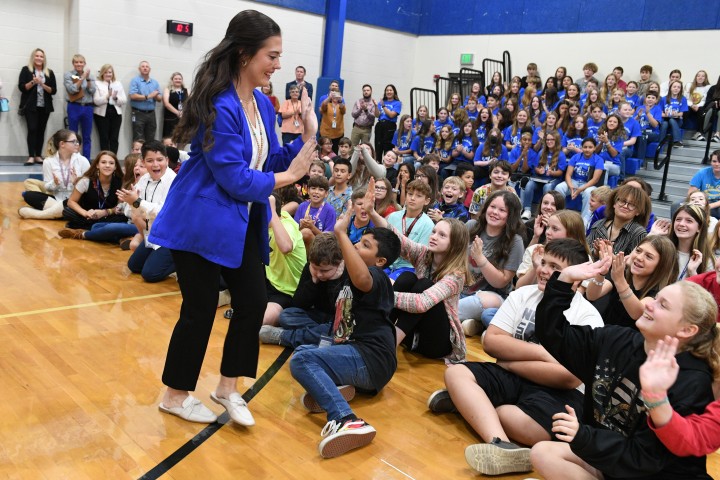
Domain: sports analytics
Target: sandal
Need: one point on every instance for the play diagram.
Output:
(30, 161)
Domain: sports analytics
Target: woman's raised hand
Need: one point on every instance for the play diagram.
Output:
(301, 163)
(309, 118)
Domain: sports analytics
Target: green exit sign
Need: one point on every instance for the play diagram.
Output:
(466, 59)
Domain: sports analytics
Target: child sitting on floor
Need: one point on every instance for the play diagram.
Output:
(361, 349)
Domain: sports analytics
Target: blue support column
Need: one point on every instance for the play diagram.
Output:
(335, 13)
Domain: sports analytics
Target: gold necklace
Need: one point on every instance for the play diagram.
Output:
(255, 130)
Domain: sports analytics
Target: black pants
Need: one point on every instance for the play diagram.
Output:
(432, 326)
(144, 125)
(36, 123)
(199, 284)
(384, 131)
(36, 199)
(75, 220)
(109, 129)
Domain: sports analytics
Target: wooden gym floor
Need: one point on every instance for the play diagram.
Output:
(83, 346)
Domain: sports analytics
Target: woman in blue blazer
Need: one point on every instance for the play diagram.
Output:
(215, 219)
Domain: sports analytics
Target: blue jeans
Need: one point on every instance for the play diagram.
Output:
(81, 116)
(110, 232)
(153, 265)
(528, 192)
(321, 370)
(471, 306)
(565, 191)
(303, 327)
(674, 124)
(642, 143)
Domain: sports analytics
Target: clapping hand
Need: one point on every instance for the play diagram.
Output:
(617, 271)
(476, 250)
(695, 261)
(583, 271)
(537, 256)
(661, 226)
(566, 425)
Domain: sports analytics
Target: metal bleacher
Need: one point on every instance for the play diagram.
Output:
(686, 161)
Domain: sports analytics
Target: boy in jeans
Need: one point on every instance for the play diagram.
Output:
(517, 396)
(361, 350)
(313, 304)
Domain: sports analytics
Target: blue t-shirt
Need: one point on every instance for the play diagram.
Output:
(536, 136)
(356, 233)
(632, 128)
(473, 115)
(705, 180)
(618, 145)
(509, 137)
(481, 100)
(467, 146)
(581, 166)
(481, 133)
(674, 105)
(561, 165)
(439, 125)
(445, 154)
(575, 141)
(634, 100)
(405, 140)
(593, 127)
(427, 147)
(480, 158)
(516, 152)
(645, 126)
(393, 106)
(323, 217)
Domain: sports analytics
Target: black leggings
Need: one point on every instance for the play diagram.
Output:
(199, 281)
(432, 327)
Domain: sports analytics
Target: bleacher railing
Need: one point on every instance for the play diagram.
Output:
(665, 162)
(468, 76)
(504, 66)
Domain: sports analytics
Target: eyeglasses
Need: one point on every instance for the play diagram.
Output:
(626, 204)
(421, 175)
(75, 141)
(380, 187)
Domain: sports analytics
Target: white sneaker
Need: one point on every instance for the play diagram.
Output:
(471, 327)
(526, 214)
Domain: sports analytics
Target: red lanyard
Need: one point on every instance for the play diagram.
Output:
(407, 232)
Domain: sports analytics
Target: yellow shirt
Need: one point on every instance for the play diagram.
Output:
(284, 270)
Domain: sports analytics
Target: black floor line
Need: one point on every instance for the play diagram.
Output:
(178, 455)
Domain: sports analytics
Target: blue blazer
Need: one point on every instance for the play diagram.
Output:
(206, 211)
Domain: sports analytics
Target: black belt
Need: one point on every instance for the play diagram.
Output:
(362, 126)
(144, 111)
(386, 121)
(83, 104)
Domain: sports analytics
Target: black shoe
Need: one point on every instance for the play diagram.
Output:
(678, 144)
(498, 457)
(440, 402)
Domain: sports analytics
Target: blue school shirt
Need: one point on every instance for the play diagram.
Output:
(355, 233)
(581, 166)
(517, 151)
(427, 147)
(445, 154)
(705, 180)
(574, 141)
(645, 126)
(473, 115)
(634, 100)
(405, 140)
(479, 156)
(618, 145)
(393, 106)
(481, 133)
(439, 125)
(675, 105)
(561, 165)
(632, 128)
(509, 137)
(593, 128)
(536, 136)
(480, 101)
(467, 146)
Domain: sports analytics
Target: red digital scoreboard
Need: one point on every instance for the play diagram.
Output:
(177, 27)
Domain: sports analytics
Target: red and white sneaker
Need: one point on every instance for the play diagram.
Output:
(341, 438)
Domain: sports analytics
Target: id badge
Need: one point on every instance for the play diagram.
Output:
(334, 124)
(325, 341)
(296, 123)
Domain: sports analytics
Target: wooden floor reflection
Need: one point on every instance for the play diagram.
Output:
(83, 345)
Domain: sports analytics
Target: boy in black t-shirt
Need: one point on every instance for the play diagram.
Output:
(361, 350)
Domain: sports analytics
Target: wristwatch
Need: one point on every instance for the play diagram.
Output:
(136, 203)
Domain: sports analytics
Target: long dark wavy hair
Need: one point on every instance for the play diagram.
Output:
(245, 35)
(513, 226)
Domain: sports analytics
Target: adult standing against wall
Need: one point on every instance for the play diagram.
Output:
(109, 100)
(332, 108)
(144, 92)
(363, 113)
(299, 82)
(80, 89)
(217, 212)
(37, 86)
(388, 110)
(174, 97)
